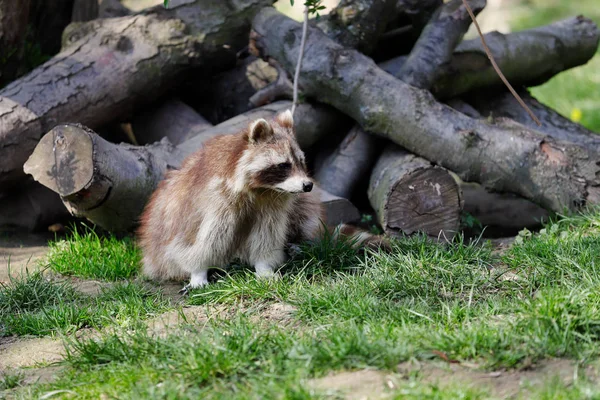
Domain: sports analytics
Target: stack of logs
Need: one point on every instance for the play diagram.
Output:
(399, 114)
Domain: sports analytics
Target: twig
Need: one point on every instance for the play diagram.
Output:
(498, 71)
(300, 57)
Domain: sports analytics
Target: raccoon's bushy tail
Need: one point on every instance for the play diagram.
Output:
(359, 237)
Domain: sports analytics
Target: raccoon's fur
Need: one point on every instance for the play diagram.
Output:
(242, 196)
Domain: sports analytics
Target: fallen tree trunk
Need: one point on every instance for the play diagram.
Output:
(113, 65)
(349, 163)
(503, 105)
(554, 174)
(109, 184)
(526, 58)
(410, 195)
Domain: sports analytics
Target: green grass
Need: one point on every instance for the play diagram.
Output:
(10, 380)
(575, 89)
(38, 306)
(423, 301)
(89, 255)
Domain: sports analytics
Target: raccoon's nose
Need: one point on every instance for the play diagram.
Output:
(307, 186)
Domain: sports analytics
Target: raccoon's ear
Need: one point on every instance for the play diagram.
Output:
(286, 119)
(259, 130)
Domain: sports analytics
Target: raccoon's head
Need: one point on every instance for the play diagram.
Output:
(273, 160)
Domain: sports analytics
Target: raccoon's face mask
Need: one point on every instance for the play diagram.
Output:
(277, 162)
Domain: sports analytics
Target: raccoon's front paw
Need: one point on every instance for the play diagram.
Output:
(265, 271)
(199, 279)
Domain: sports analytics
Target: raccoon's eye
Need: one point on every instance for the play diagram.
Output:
(284, 165)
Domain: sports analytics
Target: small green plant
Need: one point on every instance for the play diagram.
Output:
(312, 6)
(88, 255)
(32, 292)
(10, 380)
(469, 221)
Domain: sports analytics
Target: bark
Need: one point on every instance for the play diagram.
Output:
(526, 58)
(410, 195)
(343, 170)
(113, 65)
(172, 119)
(437, 42)
(109, 183)
(85, 10)
(504, 105)
(14, 15)
(502, 157)
(32, 207)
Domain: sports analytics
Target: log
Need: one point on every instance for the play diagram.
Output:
(557, 175)
(338, 210)
(502, 105)
(346, 167)
(404, 204)
(350, 163)
(503, 212)
(500, 213)
(410, 195)
(527, 58)
(437, 43)
(109, 184)
(172, 119)
(113, 65)
(14, 15)
(32, 207)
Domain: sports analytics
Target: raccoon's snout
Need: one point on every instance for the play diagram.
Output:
(307, 186)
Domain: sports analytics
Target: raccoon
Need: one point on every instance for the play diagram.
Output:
(246, 196)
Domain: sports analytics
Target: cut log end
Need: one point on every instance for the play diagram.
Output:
(424, 200)
(411, 195)
(61, 159)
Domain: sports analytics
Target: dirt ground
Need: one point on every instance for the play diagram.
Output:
(21, 251)
(372, 384)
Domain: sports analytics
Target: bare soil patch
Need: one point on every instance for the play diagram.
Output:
(371, 384)
(20, 252)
